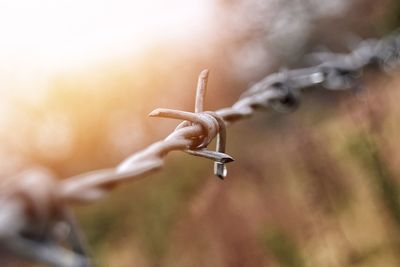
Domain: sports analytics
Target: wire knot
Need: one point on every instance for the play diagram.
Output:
(212, 125)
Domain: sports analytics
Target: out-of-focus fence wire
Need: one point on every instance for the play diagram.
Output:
(35, 222)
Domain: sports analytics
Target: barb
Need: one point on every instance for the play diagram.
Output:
(34, 206)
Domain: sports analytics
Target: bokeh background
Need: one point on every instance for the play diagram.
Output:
(315, 188)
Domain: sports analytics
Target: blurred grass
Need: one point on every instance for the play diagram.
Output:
(143, 212)
(318, 187)
(393, 18)
(366, 151)
(283, 248)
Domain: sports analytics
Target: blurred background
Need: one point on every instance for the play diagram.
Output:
(318, 187)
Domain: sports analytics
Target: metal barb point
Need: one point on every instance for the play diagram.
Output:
(219, 165)
(201, 91)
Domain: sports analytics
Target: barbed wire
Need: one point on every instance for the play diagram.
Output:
(35, 221)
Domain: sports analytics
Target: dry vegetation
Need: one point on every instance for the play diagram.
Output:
(316, 188)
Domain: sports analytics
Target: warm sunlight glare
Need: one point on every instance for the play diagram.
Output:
(49, 36)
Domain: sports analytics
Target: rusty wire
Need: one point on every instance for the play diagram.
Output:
(35, 222)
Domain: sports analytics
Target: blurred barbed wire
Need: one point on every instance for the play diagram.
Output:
(266, 33)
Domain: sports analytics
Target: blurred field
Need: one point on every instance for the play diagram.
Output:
(314, 188)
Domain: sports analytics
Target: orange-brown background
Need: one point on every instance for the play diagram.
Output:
(318, 187)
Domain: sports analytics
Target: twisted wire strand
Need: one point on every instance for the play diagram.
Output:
(278, 90)
(28, 218)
